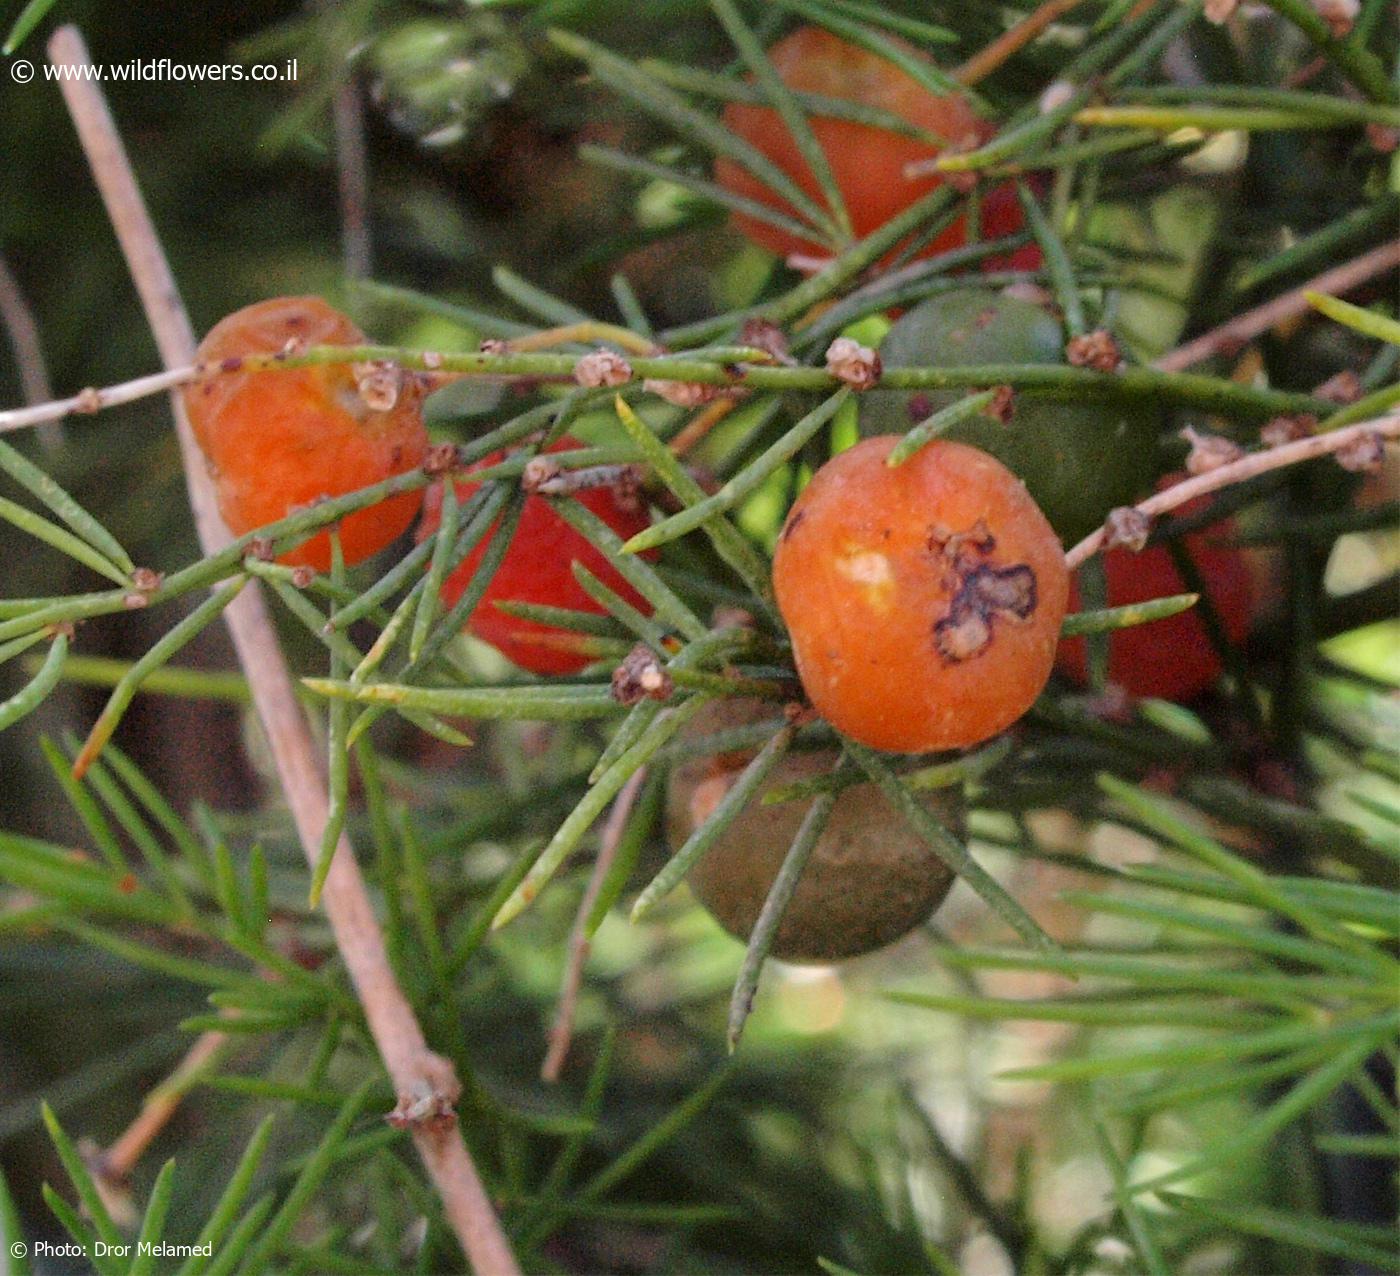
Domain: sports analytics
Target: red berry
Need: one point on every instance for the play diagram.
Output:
(537, 568)
(277, 441)
(867, 162)
(924, 600)
(1170, 659)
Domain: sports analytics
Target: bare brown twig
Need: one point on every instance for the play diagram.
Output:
(352, 167)
(561, 1035)
(91, 400)
(982, 63)
(18, 321)
(117, 1162)
(1255, 463)
(425, 1083)
(1235, 332)
(699, 426)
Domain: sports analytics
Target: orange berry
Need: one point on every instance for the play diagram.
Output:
(867, 163)
(277, 441)
(924, 600)
(538, 568)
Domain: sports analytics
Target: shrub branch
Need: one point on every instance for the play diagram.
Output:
(424, 1082)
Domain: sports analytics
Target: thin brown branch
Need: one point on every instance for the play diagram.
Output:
(1227, 338)
(18, 321)
(1247, 467)
(561, 1035)
(699, 426)
(982, 63)
(117, 1162)
(352, 167)
(91, 400)
(425, 1083)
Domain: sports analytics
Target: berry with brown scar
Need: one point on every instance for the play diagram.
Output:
(538, 568)
(279, 440)
(924, 600)
(870, 879)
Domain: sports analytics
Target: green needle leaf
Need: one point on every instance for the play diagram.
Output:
(730, 543)
(437, 570)
(750, 478)
(643, 627)
(948, 848)
(32, 696)
(581, 818)
(789, 111)
(713, 192)
(30, 16)
(34, 480)
(536, 301)
(160, 652)
(37, 526)
(937, 82)
(727, 89)
(1133, 1214)
(1301, 1098)
(153, 1225)
(1056, 261)
(562, 703)
(944, 419)
(704, 837)
(1107, 619)
(1238, 1047)
(1373, 1246)
(1366, 322)
(103, 1263)
(82, 1181)
(1158, 818)
(628, 80)
(635, 571)
(309, 1180)
(770, 916)
(11, 1234)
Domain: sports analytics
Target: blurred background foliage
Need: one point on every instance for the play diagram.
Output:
(864, 1131)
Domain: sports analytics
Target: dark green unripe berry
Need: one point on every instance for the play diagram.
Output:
(871, 879)
(1079, 459)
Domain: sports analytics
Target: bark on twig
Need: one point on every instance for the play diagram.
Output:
(18, 321)
(352, 167)
(1011, 41)
(1248, 467)
(1244, 327)
(561, 1035)
(424, 1082)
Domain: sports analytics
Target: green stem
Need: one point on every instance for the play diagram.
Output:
(1212, 119)
(1359, 65)
(765, 929)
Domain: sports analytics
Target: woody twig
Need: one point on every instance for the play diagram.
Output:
(426, 1084)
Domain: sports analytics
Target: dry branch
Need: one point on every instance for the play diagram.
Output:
(1247, 467)
(1230, 336)
(425, 1082)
